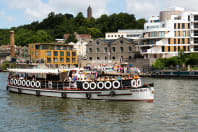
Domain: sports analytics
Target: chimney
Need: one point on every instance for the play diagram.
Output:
(12, 46)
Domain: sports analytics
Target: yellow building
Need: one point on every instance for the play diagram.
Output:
(52, 53)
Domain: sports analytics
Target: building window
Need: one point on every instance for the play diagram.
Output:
(97, 50)
(178, 48)
(62, 53)
(184, 48)
(130, 49)
(68, 53)
(184, 33)
(175, 26)
(113, 49)
(188, 25)
(105, 58)
(121, 41)
(73, 53)
(55, 60)
(67, 59)
(188, 18)
(90, 58)
(188, 41)
(183, 41)
(183, 26)
(113, 58)
(174, 41)
(195, 33)
(195, 25)
(179, 41)
(90, 50)
(162, 48)
(175, 48)
(121, 49)
(196, 17)
(178, 33)
(62, 60)
(130, 57)
(168, 41)
(73, 60)
(48, 60)
(55, 53)
(98, 58)
(175, 34)
(196, 40)
(168, 48)
(178, 25)
(105, 50)
(48, 53)
(97, 42)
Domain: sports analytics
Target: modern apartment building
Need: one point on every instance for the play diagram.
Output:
(165, 35)
(51, 53)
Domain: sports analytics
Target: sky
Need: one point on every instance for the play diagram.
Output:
(19, 12)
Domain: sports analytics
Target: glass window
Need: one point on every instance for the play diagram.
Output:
(48, 60)
(98, 58)
(73, 60)
(90, 58)
(121, 41)
(62, 53)
(67, 59)
(183, 25)
(105, 50)
(162, 48)
(121, 49)
(90, 50)
(174, 48)
(183, 41)
(55, 60)
(130, 57)
(184, 33)
(97, 50)
(130, 49)
(73, 53)
(105, 58)
(48, 53)
(55, 53)
(68, 53)
(61, 60)
(113, 49)
(97, 42)
(113, 58)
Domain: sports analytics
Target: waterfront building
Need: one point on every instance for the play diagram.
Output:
(126, 33)
(52, 53)
(117, 50)
(166, 35)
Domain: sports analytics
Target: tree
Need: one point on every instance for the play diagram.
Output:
(71, 38)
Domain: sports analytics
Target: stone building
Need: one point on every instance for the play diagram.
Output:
(89, 12)
(102, 51)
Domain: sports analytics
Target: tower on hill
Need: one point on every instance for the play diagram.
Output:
(89, 12)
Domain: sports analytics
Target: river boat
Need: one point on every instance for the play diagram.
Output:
(78, 84)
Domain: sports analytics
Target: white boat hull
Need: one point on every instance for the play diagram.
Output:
(138, 94)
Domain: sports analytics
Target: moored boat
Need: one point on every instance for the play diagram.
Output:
(78, 84)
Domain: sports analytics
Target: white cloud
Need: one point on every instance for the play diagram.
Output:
(36, 9)
(148, 8)
(3, 16)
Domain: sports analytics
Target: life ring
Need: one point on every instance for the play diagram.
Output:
(139, 83)
(27, 83)
(11, 81)
(133, 83)
(100, 85)
(15, 82)
(23, 83)
(19, 82)
(116, 84)
(32, 84)
(92, 85)
(37, 84)
(107, 84)
(85, 85)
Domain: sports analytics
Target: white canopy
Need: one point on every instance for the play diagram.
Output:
(52, 71)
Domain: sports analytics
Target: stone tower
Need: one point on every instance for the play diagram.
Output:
(89, 12)
(12, 46)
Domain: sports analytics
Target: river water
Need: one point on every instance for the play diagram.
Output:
(175, 109)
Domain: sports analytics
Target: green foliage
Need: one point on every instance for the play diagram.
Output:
(56, 25)
(182, 59)
(71, 38)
